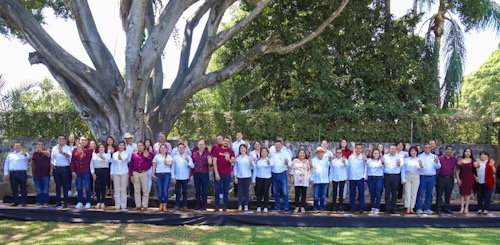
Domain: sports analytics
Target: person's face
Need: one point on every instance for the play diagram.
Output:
(162, 138)
(264, 153)
(413, 152)
(256, 146)
(343, 143)
(101, 148)
(219, 140)
(128, 140)
(163, 149)
(380, 147)
(243, 149)
(427, 148)
(121, 147)
(392, 150)
(226, 142)
(338, 154)
(181, 149)
(278, 146)
(239, 136)
(320, 154)
(419, 148)
(40, 146)
(71, 138)
(400, 147)
(92, 144)
(17, 147)
(324, 144)
(109, 141)
(448, 151)
(433, 144)
(83, 141)
(61, 140)
(359, 149)
(201, 145)
(302, 154)
(376, 154)
(483, 157)
(140, 147)
(147, 143)
(467, 153)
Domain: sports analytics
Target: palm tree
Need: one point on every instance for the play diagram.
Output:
(446, 23)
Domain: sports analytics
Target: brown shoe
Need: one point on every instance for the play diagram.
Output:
(184, 209)
(165, 207)
(144, 209)
(160, 208)
(216, 210)
(136, 209)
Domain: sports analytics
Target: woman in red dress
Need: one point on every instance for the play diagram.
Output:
(465, 179)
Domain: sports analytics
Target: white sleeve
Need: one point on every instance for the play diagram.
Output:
(6, 167)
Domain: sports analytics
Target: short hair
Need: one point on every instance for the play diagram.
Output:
(359, 144)
(227, 137)
(180, 143)
(41, 141)
(140, 142)
(484, 153)
(371, 155)
(263, 149)
(239, 148)
(202, 139)
(449, 146)
(413, 148)
(62, 135)
(161, 133)
(278, 141)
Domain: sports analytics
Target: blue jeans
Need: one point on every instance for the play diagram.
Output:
(427, 183)
(61, 176)
(360, 185)
(162, 184)
(375, 185)
(83, 179)
(222, 187)
(42, 189)
(280, 188)
(320, 191)
(201, 187)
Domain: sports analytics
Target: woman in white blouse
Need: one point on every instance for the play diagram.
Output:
(338, 177)
(99, 168)
(162, 174)
(243, 174)
(410, 178)
(261, 179)
(120, 176)
(300, 170)
(375, 173)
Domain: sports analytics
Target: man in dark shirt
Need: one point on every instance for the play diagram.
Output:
(223, 158)
(202, 160)
(80, 169)
(445, 181)
(42, 171)
(140, 163)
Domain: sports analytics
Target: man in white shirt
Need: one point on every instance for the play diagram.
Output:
(392, 178)
(281, 159)
(235, 146)
(130, 146)
(61, 158)
(430, 164)
(356, 176)
(16, 165)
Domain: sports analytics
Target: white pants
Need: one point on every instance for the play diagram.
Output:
(141, 184)
(150, 179)
(411, 189)
(120, 182)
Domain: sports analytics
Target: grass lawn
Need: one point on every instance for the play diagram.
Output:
(53, 232)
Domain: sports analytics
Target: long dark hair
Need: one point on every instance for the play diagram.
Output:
(471, 154)
(239, 149)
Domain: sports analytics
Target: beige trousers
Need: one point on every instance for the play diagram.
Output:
(411, 189)
(120, 183)
(141, 184)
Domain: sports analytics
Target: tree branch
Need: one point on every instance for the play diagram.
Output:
(280, 49)
(96, 49)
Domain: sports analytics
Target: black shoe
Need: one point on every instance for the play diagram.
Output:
(392, 212)
(23, 205)
(14, 204)
(447, 211)
(65, 205)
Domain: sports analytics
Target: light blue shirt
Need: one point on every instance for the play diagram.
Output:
(320, 170)
(263, 169)
(243, 167)
(181, 167)
(119, 166)
(161, 166)
(429, 166)
(175, 151)
(279, 161)
(403, 154)
(58, 159)
(338, 169)
(374, 167)
(356, 169)
(16, 161)
(390, 164)
(411, 166)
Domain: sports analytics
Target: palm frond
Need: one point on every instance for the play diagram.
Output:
(480, 14)
(425, 4)
(454, 53)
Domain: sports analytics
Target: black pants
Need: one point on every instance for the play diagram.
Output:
(262, 191)
(235, 189)
(102, 179)
(243, 191)
(483, 197)
(340, 186)
(181, 185)
(300, 193)
(444, 185)
(18, 181)
(400, 191)
(391, 185)
(61, 177)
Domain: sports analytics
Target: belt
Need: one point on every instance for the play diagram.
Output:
(17, 171)
(140, 171)
(376, 177)
(61, 166)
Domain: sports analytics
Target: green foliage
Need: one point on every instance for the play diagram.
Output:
(481, 89)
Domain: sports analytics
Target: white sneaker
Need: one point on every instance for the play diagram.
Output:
(87, 205)
(70, 193)
(428, 212)
(265, 210)
(239, 208)
(124, 210)
(246, 208)
(372, 211)
(79, 205)
(258, 210)
(376, 211)
(419, 212)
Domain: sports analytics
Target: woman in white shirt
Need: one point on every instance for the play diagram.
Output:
(99, 168)
(338, 177)
(410, 178)
(120, 176)
(300, 170)
(243, 174)
(375, 173)
(261, 179)
(162, 174)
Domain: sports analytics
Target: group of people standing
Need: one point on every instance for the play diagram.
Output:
(412, 173)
